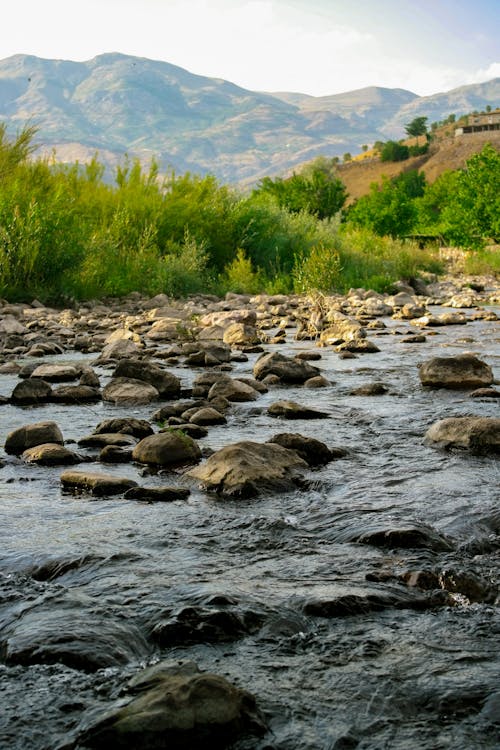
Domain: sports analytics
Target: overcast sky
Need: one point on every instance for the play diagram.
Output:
(316, 47)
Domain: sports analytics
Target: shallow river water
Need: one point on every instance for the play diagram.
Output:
(84, 581)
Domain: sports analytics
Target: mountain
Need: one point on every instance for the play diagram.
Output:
(117, 104)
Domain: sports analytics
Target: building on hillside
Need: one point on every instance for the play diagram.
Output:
(480, 123)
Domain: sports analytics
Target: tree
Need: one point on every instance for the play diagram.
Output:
(394, 151)
(386, 210)
(417, 127)
(316, 189)
(347, 156)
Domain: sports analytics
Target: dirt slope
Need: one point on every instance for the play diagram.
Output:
(446, 153)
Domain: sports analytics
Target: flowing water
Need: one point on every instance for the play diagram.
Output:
(84, 582)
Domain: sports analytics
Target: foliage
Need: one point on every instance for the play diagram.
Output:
(239, 276)
(316, 190)
(464, 206)
(389, 208)
(394, 151)
(416, 127)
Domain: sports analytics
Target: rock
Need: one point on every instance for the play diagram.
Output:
(246, 468)
(200, 625)
(351, 605)
(95, 483)
(362, 346)
(228, 317)
(10, 325)
(121, 349)
(418, 338)
(177, 707)
(195, 431)
(313, 451)
(286, 369)
(342, 329)
(207, 416)
(56, 373)
(169, 448)
(30, 391)
(167, 385)
(317, 382)
(115, 454)
(477, 434)
(75, 394)
(293, 410)
(139, 428)
(157, 494)
(409, 537)
(233, 390)
(462, 371)
(371, 389)
(50, 454)
(129, 391)
(485, 393)
(31, 435)
(89, 377)
(107, 438)
(240, 334)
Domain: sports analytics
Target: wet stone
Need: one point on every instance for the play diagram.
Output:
(50, 454)
(31, 435)
(31, 392)
(95, 483)
(157, 494)
(293, 410)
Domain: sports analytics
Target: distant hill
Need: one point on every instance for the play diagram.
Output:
(117, 104)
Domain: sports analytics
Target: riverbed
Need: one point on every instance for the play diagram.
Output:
(84, 581)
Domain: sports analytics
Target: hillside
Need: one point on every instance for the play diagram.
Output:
(118, 104)
(446, 152)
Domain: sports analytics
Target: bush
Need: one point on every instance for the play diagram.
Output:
(394, 151)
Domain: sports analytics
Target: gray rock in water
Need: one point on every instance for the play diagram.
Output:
(464, 371)
(31, 435)
(246, 469)
(311, 450)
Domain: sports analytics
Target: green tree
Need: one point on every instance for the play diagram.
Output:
(416, 127)
(316, 190)
(394, 151)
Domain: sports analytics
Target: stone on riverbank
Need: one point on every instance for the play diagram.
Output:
(167, 385)
(463, 371)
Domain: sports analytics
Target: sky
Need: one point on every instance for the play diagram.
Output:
(316, 47)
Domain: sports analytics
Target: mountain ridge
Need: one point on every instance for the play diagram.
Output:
(119, 104)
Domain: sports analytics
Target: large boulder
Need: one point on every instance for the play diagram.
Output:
(463, 371)
(167, 449)
(129, 391)
(286, 369)
(233, 390)
(167, 385)
(247, 469)
(50, 454)
(29, 392)
(477, 434)
(31, 435)
(177, 707)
